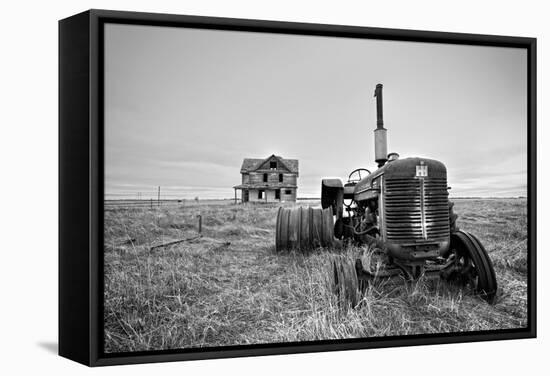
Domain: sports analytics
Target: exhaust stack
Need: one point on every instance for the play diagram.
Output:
(380, 137)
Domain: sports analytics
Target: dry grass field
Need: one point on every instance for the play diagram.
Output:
(229, 287)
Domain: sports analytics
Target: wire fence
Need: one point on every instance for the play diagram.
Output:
(152, 204)
(147, 200)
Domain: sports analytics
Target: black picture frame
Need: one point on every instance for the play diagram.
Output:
(81, 184)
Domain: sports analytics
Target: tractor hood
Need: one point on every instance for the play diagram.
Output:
(401, 168)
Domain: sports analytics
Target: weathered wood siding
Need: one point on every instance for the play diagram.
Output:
(272, 177)
(289, 179)
(290, 197)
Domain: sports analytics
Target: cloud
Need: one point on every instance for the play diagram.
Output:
(177, 118)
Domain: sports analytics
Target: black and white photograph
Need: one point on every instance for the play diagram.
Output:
(267, 188)
(264, 188)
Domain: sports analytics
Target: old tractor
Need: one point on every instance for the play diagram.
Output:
(400, 213)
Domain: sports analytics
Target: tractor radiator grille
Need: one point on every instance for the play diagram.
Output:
(416, 209)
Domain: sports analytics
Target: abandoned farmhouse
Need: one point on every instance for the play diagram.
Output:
(272, 179)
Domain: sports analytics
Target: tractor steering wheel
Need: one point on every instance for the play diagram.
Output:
(355, 175)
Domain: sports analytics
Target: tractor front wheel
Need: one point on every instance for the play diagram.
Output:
(473, 266)
(344, 283)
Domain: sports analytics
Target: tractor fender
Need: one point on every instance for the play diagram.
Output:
(332, 183)
(332, 195)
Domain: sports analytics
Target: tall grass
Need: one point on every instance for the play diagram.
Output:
(231, 288)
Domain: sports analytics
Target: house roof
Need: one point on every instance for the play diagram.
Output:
(249, 164)
(252, 164)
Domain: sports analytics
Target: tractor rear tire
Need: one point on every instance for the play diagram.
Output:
(345, 284)
(469, 249)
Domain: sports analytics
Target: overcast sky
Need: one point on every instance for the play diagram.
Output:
(183, 107)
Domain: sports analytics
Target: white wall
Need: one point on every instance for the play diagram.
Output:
(29, 176)
(253, 195)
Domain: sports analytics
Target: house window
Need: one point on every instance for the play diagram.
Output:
(280, 178)
(265, 178)
(260, 194)
(288, 192)
(277, 194)
(273, 165)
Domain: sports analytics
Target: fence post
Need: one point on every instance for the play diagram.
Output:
(200, 224)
